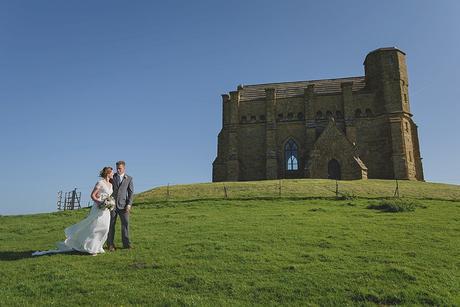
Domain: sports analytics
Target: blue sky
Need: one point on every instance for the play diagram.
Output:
(86, 83)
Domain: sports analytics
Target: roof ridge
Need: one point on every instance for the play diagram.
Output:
(300, 81)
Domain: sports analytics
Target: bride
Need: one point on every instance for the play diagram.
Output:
(89, 235)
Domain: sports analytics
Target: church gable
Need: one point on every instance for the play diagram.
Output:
(333, 156)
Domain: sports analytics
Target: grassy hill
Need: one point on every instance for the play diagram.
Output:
(249, 244)
(301, 188)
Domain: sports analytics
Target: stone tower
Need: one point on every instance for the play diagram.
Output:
(386, 74)
(346, 128)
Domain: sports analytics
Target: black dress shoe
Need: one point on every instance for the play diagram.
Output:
(112, 248)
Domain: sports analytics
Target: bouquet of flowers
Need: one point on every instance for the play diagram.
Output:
(107, 202)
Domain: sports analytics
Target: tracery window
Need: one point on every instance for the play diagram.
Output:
(291, 155)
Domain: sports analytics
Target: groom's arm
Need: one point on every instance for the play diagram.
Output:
(130, 192)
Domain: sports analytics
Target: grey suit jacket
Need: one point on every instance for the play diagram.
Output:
(123, 192)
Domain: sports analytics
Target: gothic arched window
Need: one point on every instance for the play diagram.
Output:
(291, 156)
(333, 170)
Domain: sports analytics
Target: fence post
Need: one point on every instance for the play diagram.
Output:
(225, 191)
(279, 188)
(396, 194)
(167, 193)
(336, 188)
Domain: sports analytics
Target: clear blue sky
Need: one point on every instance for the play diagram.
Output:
(86, 83)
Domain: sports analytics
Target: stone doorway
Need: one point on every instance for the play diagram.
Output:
(333, 170)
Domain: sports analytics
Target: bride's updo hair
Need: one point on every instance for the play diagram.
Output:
(105, 171)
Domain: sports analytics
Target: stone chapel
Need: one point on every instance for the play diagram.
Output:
(345, 128)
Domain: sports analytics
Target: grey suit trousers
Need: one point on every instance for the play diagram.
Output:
(124, 217)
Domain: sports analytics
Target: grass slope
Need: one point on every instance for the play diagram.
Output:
(250, 249)
(302, 188)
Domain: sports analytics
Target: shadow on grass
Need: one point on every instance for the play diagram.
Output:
(160, 203)
(172, 202)
(19, 255)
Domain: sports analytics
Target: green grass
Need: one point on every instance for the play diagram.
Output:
(253, 248)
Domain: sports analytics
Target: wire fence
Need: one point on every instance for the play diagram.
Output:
(302, 188)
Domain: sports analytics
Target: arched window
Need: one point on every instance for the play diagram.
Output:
(338, 115)
(291, 156)
(358, 113)
(300, 115)
(290, 115)
(391, 59)
(368, 112)
(243, 118)
(280, 116)
(262, 117)
(328, 114)
(319, 115)
(333, 170)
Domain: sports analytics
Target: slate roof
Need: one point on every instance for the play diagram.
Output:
(296, 88)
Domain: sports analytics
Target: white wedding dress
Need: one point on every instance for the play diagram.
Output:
(90, 234)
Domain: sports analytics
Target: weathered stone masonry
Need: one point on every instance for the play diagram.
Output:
(346, 128)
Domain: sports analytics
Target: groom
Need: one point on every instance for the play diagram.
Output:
(123, 191)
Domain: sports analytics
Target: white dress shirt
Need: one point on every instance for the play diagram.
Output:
(121, 177)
